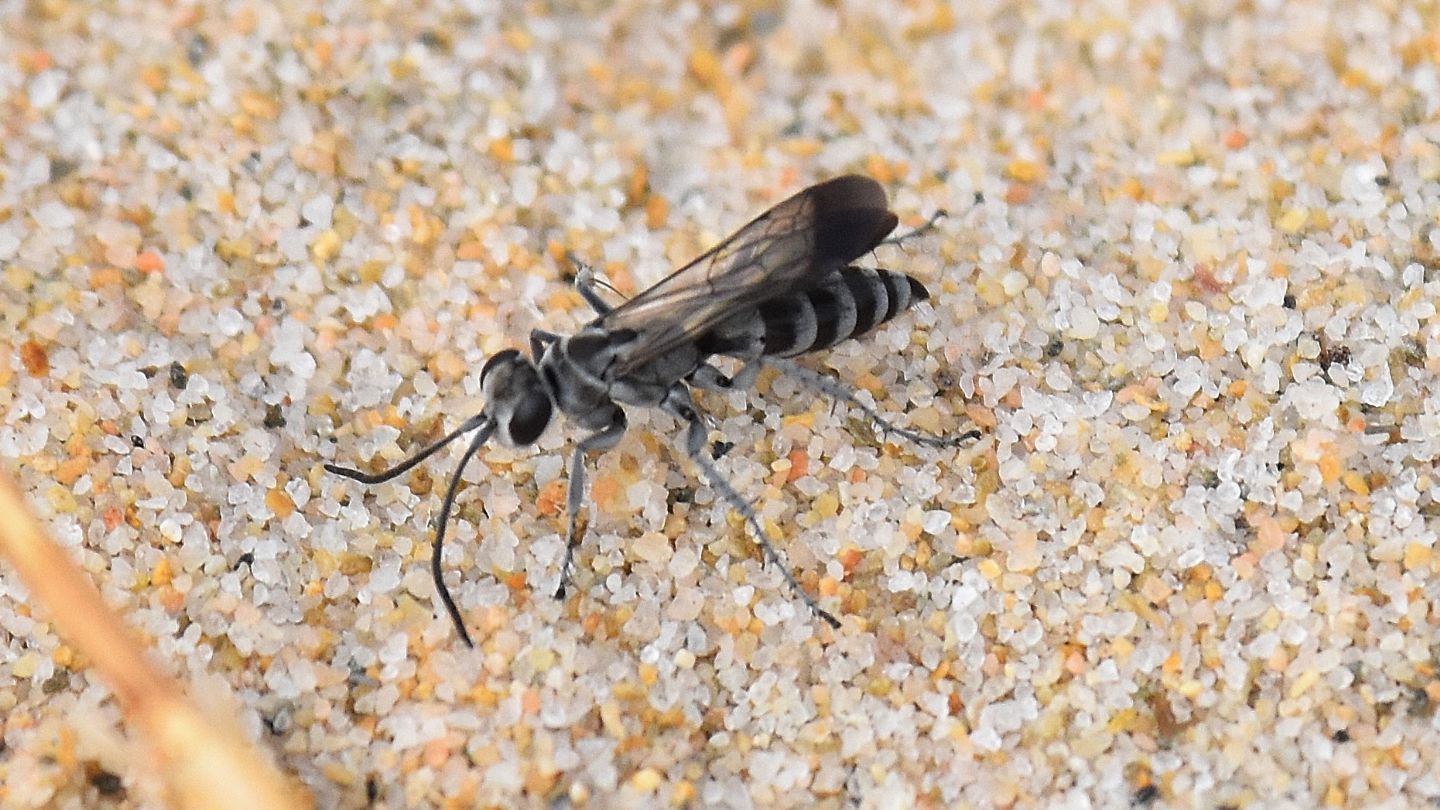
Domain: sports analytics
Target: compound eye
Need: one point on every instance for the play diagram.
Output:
(530, 417)
(496, 359)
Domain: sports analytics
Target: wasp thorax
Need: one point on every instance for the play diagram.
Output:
(595, 350)
(515, 398)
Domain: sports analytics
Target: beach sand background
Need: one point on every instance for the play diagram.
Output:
(1187, 287)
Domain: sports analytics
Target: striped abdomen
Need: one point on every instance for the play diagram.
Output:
(847, 303)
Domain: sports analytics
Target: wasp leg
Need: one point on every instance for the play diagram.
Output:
(746, 345)
(588, 284)
(678, 403)
(539, 341)
(605, 439)
(831, 386)
(926, 227)
(710, 378)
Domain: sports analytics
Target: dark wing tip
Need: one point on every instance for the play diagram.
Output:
(855, 190)
(852, 216)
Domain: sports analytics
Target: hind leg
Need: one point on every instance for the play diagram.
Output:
(925, 227)
(588, 284)
(679, 404)
(837, 390)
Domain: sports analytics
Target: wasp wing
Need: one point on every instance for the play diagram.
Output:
(789, 247)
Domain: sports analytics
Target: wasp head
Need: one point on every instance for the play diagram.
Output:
(515, 398)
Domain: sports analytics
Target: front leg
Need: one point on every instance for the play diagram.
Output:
(540, 340)
(604, 439)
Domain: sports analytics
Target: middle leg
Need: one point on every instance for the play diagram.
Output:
(709, 378)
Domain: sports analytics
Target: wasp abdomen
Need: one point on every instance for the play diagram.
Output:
(847, 303)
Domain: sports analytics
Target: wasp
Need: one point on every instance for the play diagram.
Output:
(781, 286)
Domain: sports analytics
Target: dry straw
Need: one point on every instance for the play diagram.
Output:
(205, 760)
